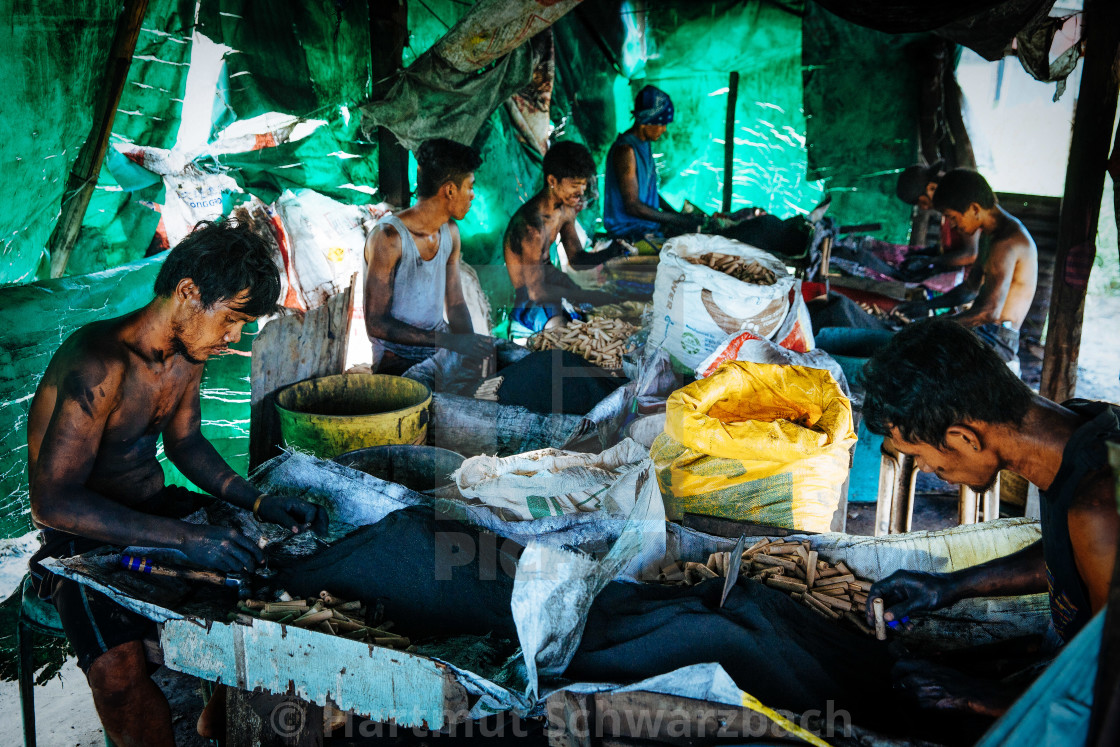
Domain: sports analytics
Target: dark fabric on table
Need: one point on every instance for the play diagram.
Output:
(774, 648)
(433, 576)
(556, 381)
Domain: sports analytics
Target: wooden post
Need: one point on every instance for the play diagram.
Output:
(1104, 725)
(1081, 201)
(83, 175)
(729, 141)
(388, 32)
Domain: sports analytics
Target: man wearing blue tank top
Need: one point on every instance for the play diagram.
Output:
(412, 261)
(632, 207)
(946, 398)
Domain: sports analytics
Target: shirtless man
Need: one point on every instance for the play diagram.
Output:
(110, 392)
(946, 399)
(632, 205)
(916, 186)
(1001, 284)
(538, 286)
(412, 259)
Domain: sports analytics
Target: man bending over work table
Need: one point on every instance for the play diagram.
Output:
(632, 206)
(917, 185)
(1001, 284)
(110, 391)
(412, 259)
(950, 402)
(538, 285)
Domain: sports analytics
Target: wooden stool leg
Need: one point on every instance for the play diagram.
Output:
(991, 502)
(968, 506)
(887, 470)
(26, 645)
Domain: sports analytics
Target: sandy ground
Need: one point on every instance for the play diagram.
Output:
(65, 716)
(1098, 370)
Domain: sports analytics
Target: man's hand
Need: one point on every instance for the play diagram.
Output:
(469, 345)
(919, 268)
(293, 513)
(907, 592)
(913, 310)
(221, 548)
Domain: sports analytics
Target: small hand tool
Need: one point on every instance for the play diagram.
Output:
(733, 567)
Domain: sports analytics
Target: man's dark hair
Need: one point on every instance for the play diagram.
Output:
(569, 160)
(441, 161)
(936, 373)
(913, 180)
(960, 188)
(224, 259)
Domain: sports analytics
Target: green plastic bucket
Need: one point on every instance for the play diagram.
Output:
(335, 414)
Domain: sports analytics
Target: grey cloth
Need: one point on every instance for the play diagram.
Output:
(1003, 340)
(419, 289)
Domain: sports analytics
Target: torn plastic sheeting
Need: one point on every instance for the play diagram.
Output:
(55, 55)
(762, 42)
(554, 580)
(861, 99)
(704, 682)
(295, 57)
(431, 99)
(150, 109)
(494, 28)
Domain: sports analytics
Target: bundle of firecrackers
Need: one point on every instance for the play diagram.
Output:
(830, 590)
(749, 271)
(326, 614)
(600, 340)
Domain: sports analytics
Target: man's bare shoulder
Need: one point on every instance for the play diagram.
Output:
(524, 227)
(1012, 237)
(384, 242)
(94, 358)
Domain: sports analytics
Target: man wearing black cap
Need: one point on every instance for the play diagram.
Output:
(632, 206)
(916, 186)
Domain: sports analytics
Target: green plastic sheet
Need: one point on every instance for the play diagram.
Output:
(301, 57)
(45, 121)
(861, 101)
(151, 103)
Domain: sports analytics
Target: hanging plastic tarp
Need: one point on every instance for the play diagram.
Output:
(694, 48)
(295, 57)
(151, 104)
(861, 103)
(45, 123)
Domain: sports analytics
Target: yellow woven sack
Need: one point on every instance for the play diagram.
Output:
(757, 442)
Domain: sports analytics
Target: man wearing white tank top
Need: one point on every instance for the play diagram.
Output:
(412, 259)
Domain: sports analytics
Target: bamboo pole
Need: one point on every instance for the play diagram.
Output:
(83, 175)
(1081, 201)
(729, 141)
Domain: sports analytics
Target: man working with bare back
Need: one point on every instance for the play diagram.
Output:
(1001, 284)
(538, 285)
(110, 392)
(412, 259)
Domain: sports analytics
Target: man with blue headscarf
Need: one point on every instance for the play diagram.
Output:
(632, 207)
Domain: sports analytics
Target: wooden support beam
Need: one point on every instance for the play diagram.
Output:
(1104, 725)
(83, 175)
(388, 31)
(729, 142)
(1081, 202)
